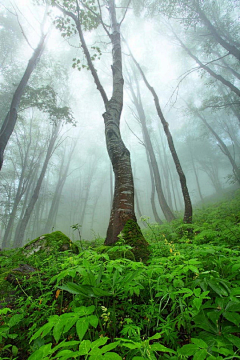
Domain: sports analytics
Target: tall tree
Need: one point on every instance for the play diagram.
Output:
(137, 101)
(84, 15)
(9, 122)
(187, 201)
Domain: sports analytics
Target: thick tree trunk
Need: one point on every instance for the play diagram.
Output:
(11, 118)
(123, 199)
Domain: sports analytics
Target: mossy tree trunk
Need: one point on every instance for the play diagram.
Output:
(123, 198)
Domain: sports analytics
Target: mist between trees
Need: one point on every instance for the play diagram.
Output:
(115, 111)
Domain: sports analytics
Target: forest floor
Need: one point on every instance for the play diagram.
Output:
(99, 303)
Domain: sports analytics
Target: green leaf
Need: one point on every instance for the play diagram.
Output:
(99, 342)
(223, 351)
(15, 319)
(233, 317)
(82, 327)
(66, 344)
(200, 354)
(14, 350)
(40, 353)
(218, 288)
(93, 320)
(188, 350)
(58, 327)
(160, 347)
(155, 337)
(197, 302)
(112, 356)
(109, 347)
(84, 290)
(84, 347)
(234, 340)
(199, 342)
(44, 330)
(197, 292)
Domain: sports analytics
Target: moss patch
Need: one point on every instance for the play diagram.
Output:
(53, 242)
(133, 236)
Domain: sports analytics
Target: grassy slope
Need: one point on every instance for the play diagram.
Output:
(184, 304)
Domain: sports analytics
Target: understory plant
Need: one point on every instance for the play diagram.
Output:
(182, 304)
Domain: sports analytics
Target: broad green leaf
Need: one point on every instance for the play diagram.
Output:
(155, 337)
(15, 319)
(4, 311)
(184, 291)
(223, 351)
(41, 353)
(188, 350)
(194, 269)
(58, 327)
(132, 345)
(197, 302)
(99, 292)
(233, 317)
(99, 342)
(14, 350)
(93, 320)
(70, 322)
(219, 289)
(44, 330)
(200, 354)
(109, 347)
(66, 344)
(197, 292)
(199, 342)
(84, 347)
(72, 288)
(160, 347)
(234, 340)
(82, 327)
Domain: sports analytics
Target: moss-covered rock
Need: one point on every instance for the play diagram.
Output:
(133, 236)
(48, 243)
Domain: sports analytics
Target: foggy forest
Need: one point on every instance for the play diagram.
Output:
(120, 122)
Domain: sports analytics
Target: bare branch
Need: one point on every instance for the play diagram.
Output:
(125, 13)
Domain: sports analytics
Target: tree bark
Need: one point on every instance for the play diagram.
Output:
(11, 117)
(123, 199)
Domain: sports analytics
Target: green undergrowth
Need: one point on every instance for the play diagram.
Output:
(184, 303)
